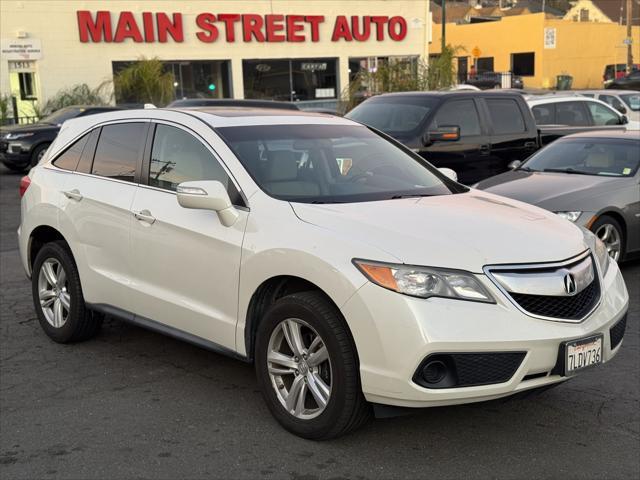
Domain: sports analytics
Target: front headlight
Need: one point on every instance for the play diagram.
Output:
(571, 216)
(425, 282)
(602, 255)
(16, 136)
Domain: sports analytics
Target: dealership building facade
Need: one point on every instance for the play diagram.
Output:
(283, 50)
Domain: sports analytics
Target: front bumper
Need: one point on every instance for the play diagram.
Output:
(394, 333)
(14, 154)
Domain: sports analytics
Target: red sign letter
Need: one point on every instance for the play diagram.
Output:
(166, 26)
(366, 28)
(397, 34)
(252, 25)
(293, 26)
(127, 28)
(274, 25)
(205, 22)
(341, 29)
(379, 21)
(98, 30)
(229, 20)
(147, 22)
(314, 20)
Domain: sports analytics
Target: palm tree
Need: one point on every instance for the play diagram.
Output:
(144, 81)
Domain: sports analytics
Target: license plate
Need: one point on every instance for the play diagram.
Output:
(583, 353)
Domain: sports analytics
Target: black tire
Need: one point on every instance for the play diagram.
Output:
(347, 408)
(37, 153)
(608, 220)
(17, 168)
(81, 323)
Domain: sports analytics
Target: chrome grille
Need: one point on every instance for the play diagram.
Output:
(561, 291)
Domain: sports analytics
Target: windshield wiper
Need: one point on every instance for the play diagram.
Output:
(411, 195)
(567, 170)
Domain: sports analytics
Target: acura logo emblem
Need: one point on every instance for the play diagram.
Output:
(570, 284)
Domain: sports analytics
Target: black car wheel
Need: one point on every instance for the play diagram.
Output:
(38, 153)
(609, 230)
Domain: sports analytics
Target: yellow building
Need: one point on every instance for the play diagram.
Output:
(278, 49)
(540, 48)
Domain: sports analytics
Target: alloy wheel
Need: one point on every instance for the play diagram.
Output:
(55, 300)
(611, 238)
(299, 368)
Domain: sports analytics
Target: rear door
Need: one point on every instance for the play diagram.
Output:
(96, 208)
(185, 263)
(468, 156)
(513, 134)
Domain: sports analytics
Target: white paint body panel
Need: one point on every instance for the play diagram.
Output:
(189, 272)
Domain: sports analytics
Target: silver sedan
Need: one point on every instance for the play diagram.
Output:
(591, 179)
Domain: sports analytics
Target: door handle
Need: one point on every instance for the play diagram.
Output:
(484, 149)
(73, 194)
(144, 216)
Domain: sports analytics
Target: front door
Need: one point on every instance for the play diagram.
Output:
(186, 264)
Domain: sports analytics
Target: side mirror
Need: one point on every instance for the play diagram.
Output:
(622, 109)
(624, 120)
(447, 172)
(446, 133)
(208, 195)
(515, 164)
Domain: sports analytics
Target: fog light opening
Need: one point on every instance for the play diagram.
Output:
(434, 371)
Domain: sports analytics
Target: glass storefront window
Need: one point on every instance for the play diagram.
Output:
(290, 80)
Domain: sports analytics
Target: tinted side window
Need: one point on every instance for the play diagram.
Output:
(118, 150)
(505, 115)
(71, 156)
(611, 100)
(572, 114)
(178, 156)
(544, 114)
(459, 112)
(602, 115)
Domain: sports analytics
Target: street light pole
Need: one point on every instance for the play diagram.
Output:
(629, 39)
(444, 28)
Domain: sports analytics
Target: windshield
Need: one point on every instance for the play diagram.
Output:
(603, 157)
(394, 115)
(60, 116)
(632, 100)
(332, 164)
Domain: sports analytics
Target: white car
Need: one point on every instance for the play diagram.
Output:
(346, 268)
(626, 102)
(577, 111)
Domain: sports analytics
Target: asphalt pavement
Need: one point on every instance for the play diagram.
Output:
(133, 404)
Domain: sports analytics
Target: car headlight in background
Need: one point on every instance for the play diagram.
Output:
(425, 282)
(16, 136)
(602, 255)
(571, 216)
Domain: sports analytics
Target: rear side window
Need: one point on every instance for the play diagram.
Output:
(118, 150)
(462, 113)
(572, 113)
(544, 114)
(71, 156)
(505, 115)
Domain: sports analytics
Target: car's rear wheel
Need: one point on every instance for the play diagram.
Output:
(609, 230)
(57, 296)
(307, 368)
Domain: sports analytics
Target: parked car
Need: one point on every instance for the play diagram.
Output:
(560, 115)
(345, 267)
(231, 102)
(624, 101)
(487, 80)
(613, 72)
(22, 146)
(628, 82)
(591, 179)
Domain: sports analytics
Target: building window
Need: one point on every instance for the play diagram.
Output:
(27, 85)
(484, 64)
(523, 64)
(584, 15)
(290, 80)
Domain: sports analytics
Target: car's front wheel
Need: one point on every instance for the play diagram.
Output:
(609, 230)
(307, 368)
(57, 296)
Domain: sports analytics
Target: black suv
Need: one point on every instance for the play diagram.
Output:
(22, 146)
(477, 134)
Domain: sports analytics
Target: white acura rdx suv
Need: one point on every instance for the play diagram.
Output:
(346, 268)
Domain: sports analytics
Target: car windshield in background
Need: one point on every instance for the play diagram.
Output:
(394, 115)
(632, 100)
(587, 156)
(60, 116)
(331, 164)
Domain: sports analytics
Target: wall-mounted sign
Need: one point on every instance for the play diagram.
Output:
(549, 38)
(21, 48)
(151, 27)
(313, 66)
(22, 66)
(476, 52)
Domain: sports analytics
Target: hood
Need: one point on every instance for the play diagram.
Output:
(463, 231)
(32, 127)
(550, 190)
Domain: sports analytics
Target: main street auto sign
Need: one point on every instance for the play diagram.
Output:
(21, 49)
